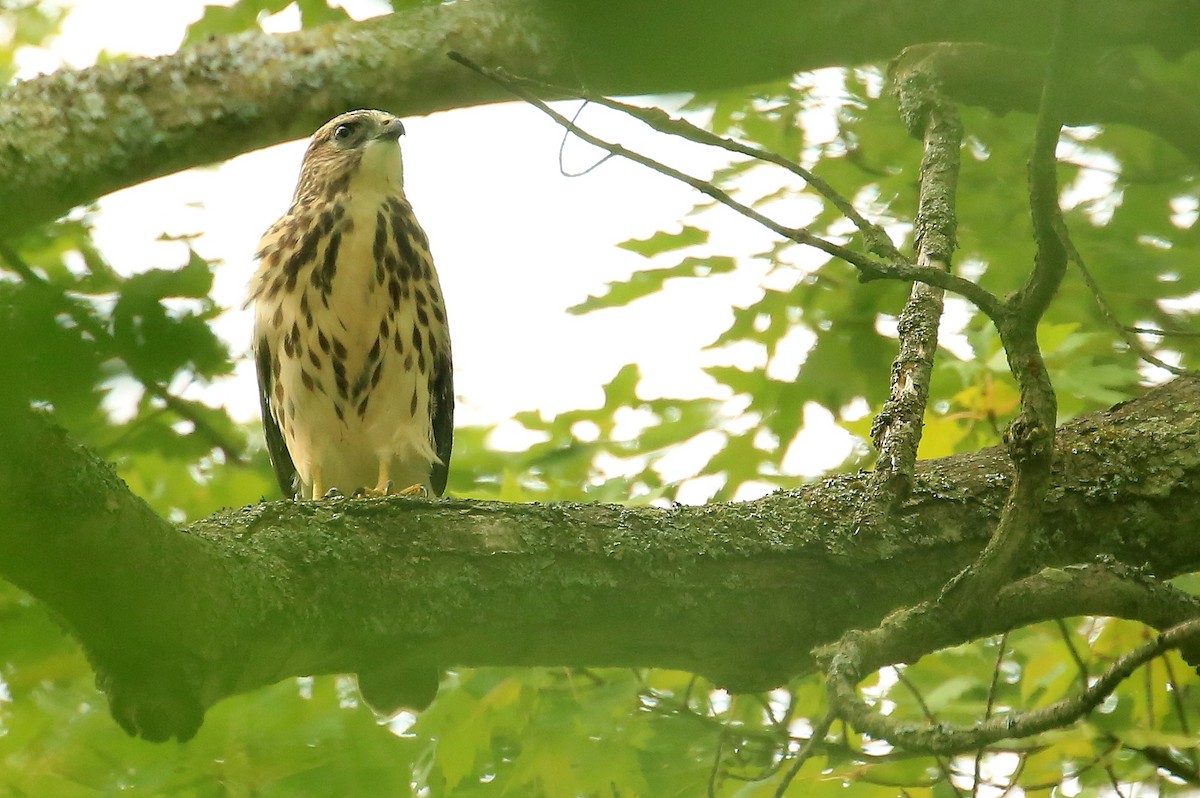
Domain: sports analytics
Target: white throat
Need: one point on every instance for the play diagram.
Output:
(381, 170)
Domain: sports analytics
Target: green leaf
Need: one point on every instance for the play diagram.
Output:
(666, 242)
(651, 281)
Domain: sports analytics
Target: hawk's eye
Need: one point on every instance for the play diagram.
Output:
(344, 131)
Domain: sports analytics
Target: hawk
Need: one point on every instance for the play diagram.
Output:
(350, 332)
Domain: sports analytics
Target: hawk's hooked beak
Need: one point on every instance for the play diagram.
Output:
(392, 131)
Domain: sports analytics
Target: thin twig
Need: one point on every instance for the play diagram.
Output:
(1112, 779)
(942, 764)
(1080, 666)
(1015, 777)
(1177, 697)
(716, 765)
(869, 268)
(659, 120)
(806, 751)
(987, 712)
(1127, 334)
(1148, 688)
(1163, 333)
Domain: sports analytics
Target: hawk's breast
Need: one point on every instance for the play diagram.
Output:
(350, 309)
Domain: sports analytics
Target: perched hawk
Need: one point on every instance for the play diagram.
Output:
(350, 332)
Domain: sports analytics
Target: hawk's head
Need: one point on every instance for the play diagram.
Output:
(356, 149)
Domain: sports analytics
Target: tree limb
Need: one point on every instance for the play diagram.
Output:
(896, 430)
(843, 674)
(72, 136)
(1029, 439)
(174, 620)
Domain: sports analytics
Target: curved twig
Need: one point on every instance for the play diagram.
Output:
(1080, 590)
(869, 268)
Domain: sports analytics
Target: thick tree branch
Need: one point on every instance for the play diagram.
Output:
(70, 137)
(174, 620)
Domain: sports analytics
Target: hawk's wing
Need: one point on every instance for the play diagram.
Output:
(441, 412)
(285, 470)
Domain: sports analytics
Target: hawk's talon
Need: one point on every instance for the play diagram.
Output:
(414, 490)
(332, 493)
(376, 492)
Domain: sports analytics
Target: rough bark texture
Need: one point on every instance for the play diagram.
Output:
(69, 137)
(175, 619)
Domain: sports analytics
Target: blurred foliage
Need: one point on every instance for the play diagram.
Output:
(26, 23)
(247, 15)
(115, 355)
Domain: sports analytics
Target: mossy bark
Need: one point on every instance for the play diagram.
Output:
(176, 619)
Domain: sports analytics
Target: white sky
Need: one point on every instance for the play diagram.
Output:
(515, 242)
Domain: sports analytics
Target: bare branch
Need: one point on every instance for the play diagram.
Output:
(1087, 590)
(869, 268)
(875, 237)
(897, 429)
(1030, 437)
(805, 753)
(977, 765)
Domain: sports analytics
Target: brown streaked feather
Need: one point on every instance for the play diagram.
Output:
(281, 461)
(441, 411)
(364, 375)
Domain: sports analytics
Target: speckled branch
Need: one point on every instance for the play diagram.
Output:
(72, 136)
(897, 429)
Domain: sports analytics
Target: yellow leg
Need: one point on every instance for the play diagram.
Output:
(318, 487)
(383, 486)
